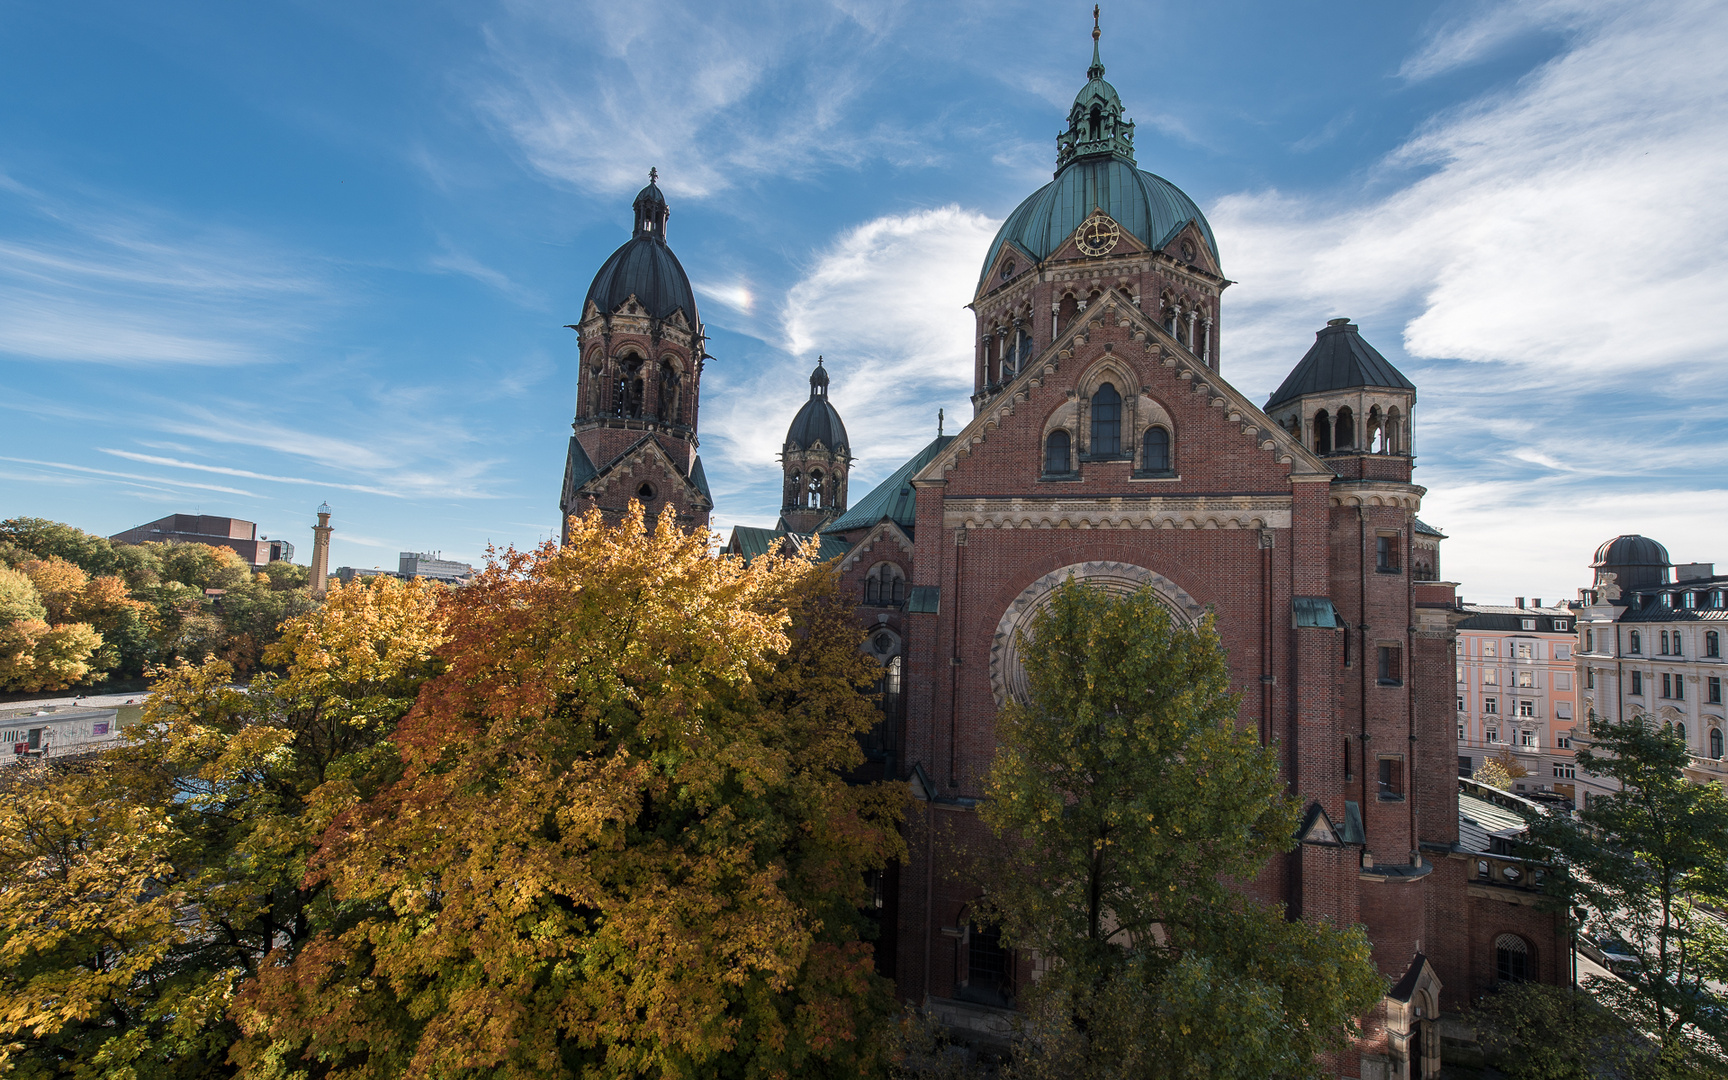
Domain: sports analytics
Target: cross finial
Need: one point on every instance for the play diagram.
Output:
(653, 175)
(1095, 30)
(939, 423)
(818, 359)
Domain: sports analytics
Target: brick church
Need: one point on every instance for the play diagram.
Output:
(1106, 444)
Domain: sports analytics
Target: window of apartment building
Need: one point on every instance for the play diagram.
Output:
(1490, 677)
(1679, 688)
(1526, 738)
(1562, 652)
(1466, 766)
(1713, 690)
(1524, 651)
(1527, 624)
(1562, 680)
(1460, 702)
(1589, 678)
(1490, 705)
(1565, 772)
(1460, 732)
(1667, 685)
(1563, 742)
(1680, 730)
(1562, 625)
(1678, 651)
(1490, 648)
(1638, 682)
(1712, 643)
(1460, 677)
(1664, 643)
(1527, 678)
(1491, 734)
(1563, 710)
(1716, 744)
(1526, 708)
(1689, 600)
(1391, 665)
(1637, 644)
(1589, 641)
(1392, 776)
(1386, 553)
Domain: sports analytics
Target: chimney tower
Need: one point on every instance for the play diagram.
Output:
(321, 552)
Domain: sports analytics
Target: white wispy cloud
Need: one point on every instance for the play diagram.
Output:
(1550, 258)
(89, 278)
(885, 305)
(245, 474)
(161, 481)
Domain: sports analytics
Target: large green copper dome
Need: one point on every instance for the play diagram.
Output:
(1096, 170)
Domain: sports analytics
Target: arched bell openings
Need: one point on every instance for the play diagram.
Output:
(1322, 432)
(795, 489)
(667, 399)
(628, 388)
(816, 489)
(1344, 430)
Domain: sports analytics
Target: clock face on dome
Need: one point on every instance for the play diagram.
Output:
(1097, 235)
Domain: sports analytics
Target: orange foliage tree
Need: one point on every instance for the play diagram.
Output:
(622, 845)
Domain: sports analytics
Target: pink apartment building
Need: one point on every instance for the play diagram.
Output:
(1516, 694)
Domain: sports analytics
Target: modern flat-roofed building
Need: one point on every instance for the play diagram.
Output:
(1517, 693)
(429, 565)
(55, 731)
(232, 533)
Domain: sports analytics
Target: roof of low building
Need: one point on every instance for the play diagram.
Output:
(893, 498)
(1339, 360)
(1479, 821)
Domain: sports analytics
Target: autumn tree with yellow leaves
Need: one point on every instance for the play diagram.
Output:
(140, 889)
(622, 844)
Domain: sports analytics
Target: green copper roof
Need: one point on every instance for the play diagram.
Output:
(892, 498)
(752, 542)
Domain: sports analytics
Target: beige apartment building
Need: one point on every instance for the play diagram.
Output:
(1517, 693)
(1651, 645)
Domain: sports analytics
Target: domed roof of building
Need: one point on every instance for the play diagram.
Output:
(818, 421)
(645, 266)
(1631, 550)
(1339, 360)
(1096, 170)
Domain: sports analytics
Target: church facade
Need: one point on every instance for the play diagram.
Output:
(1106, 444)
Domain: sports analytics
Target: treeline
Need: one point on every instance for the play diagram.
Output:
(77, 609)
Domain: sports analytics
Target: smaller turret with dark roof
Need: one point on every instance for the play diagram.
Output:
(815, 460)
(1346, 402)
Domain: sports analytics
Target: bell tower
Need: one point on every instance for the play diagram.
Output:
(641, 348)
(815, 460)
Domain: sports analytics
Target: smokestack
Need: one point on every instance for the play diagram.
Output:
(320, 574)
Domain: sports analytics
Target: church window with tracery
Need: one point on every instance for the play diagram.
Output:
(884, 585)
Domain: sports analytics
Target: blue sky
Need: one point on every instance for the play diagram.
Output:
(255, 257)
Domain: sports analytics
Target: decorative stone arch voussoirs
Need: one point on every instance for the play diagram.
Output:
(1008, 674)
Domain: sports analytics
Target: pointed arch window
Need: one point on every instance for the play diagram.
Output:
(1106, 422)
(1155, 451)
(1056, 453)
(885, 585)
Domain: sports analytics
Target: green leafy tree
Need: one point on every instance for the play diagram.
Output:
(623, 846)
(19, 598)
(44, 539)
(1128, 803)
(1651, 860)
(1537, 1032)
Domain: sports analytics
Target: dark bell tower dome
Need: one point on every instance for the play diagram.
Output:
(815, 459)
(637, 394)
